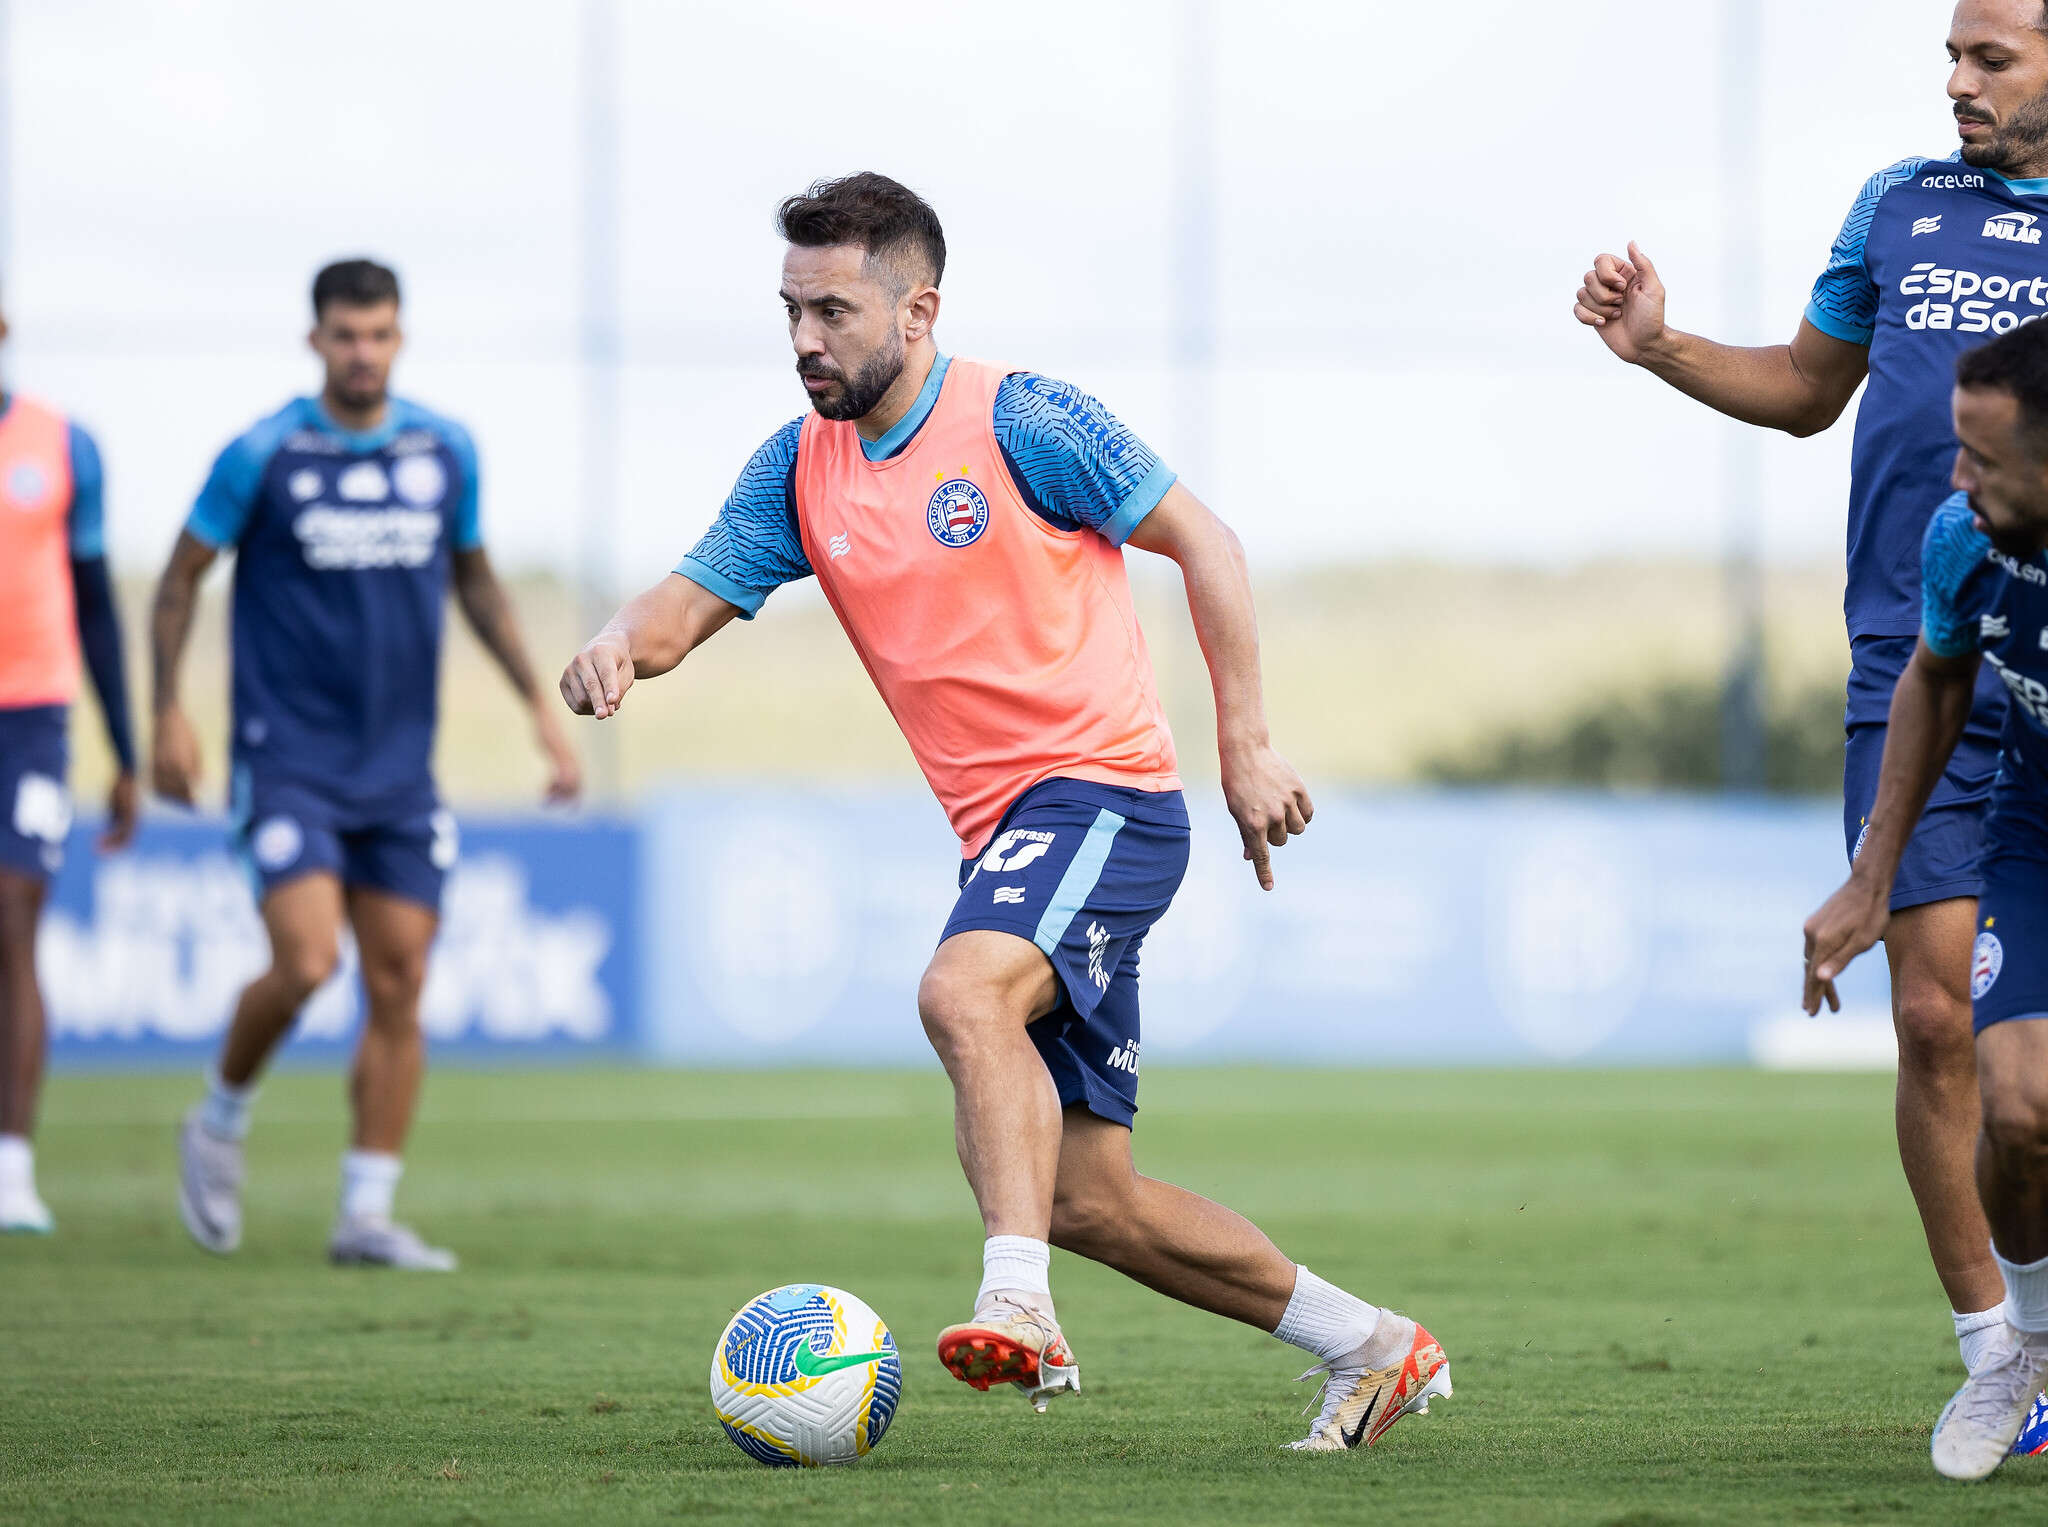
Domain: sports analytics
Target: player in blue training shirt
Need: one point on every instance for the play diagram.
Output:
(350, 515)
(1936, 255)
(1984, 571)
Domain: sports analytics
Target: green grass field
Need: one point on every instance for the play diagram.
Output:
(1668, 1298)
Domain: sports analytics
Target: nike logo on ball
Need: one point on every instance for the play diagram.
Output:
(812, 1366)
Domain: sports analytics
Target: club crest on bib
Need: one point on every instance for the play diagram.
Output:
(1986, 960)
(26, 485)
(958, 513)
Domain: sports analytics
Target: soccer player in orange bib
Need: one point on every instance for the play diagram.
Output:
(56, 615)
(967, 523)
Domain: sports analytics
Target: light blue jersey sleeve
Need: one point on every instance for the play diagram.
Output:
(1077, 464)
(88, 498)
(1957, 578)
(1844, 301)
(221, 512)
(469, 533)
(753, 547)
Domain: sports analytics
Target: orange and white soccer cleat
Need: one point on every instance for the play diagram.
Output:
(1361, 1405)
(1008, 1343)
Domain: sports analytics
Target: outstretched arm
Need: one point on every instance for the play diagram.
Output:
(1930, 708)
(1265, 795)
(174, 747)
(1800, 388)
(648, 637)
(490, 614)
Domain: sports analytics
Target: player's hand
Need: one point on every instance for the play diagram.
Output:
(122, 808)
(1268, 801)
(174, 757)
(597, 678)
(1624, 300)
(1848, 923)
(565, 769)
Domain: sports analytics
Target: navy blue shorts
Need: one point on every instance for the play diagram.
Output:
(35, 808)
(1941, 857)
(2009, 965)
(1083, 871)
(284, 830)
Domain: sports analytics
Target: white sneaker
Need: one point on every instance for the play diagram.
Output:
(23, 1213)
(368, 1242)
(1977, 1427)
(1361, 1404)
(210, 1186)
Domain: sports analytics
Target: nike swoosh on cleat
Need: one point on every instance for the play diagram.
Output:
(1351, 1439)
(811, 1365)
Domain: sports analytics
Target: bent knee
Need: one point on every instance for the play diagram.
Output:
(305, 967)
(394, 978)
(948, 1005)
(392, 981)
(2016, 1117)
(1087, 1219)
(955, 1006)
(1933, 1026)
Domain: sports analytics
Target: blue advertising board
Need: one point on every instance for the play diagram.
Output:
(1406, 928)
(761, 926)
(143, 952)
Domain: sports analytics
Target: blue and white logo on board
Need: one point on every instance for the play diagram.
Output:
(958, 513)
(1986, 961)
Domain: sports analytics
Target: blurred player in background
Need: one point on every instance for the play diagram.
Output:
(1935, 256)
(1985, 601)
(56, 603)
(967, 524)
(350, 516)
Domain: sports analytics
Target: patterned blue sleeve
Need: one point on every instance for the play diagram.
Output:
(88, 498)
(221, 512)
(469, 533)
(1957, 578)
(753, 547)
(1074, 461)
(1844, 302)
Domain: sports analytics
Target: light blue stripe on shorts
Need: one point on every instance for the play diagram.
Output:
(1079, 880)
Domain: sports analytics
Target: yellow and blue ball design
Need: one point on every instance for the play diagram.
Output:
(806, 1375)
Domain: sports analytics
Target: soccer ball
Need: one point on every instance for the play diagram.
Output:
(806, 1375)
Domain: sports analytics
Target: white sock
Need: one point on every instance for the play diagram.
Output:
(1979, 1335)
(1015, 1264)
(17, 1163)
(225, 1112)
(369, 1181)
(2026, 1297)
(1323, 1319)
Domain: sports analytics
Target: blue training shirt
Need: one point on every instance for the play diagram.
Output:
(1975, 598)
(1935, 257)
(343, 545)
(1075, 465)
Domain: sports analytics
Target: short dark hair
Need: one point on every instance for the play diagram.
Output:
(886, 218)
(2016, 363)
(354, 283)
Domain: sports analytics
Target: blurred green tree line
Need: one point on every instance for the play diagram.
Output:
(1665, 738)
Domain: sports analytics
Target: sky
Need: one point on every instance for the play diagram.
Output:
(1403, 199)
